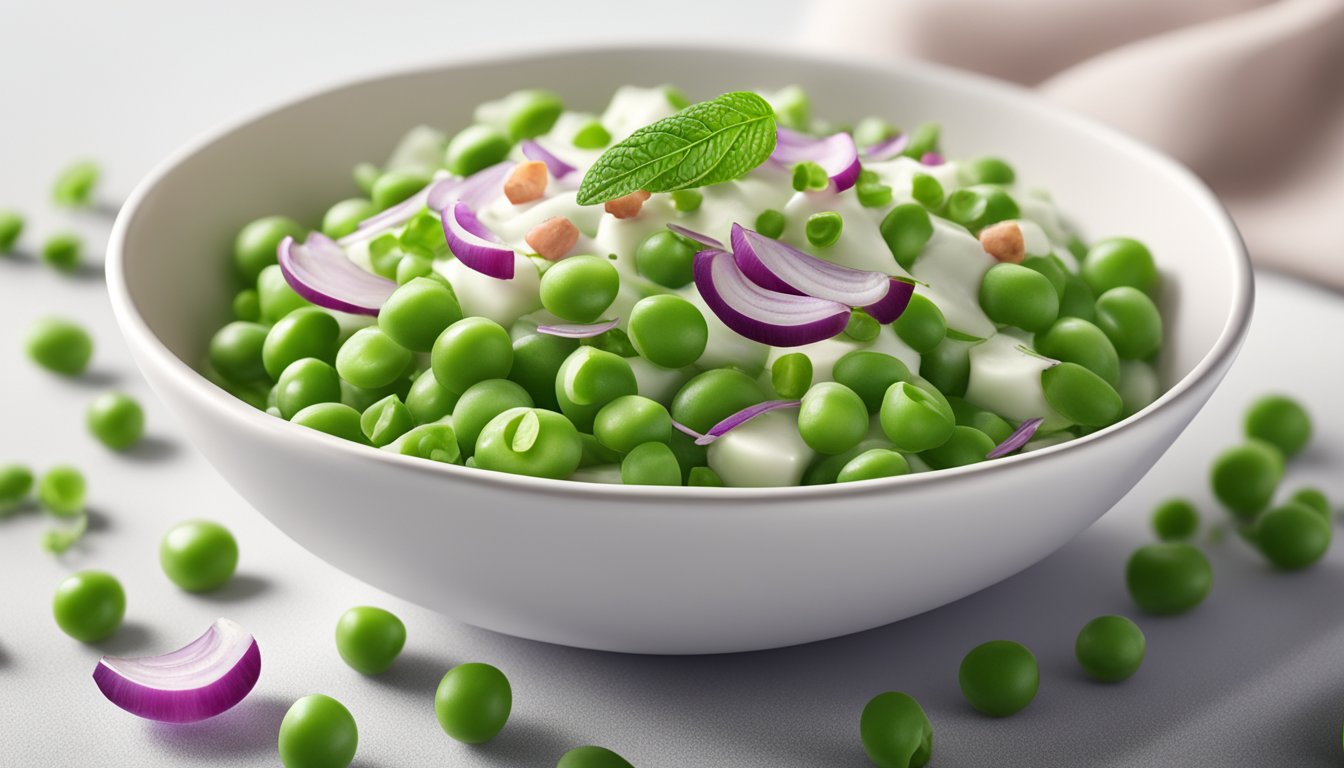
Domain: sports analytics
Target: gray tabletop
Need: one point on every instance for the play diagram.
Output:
(1250, 678)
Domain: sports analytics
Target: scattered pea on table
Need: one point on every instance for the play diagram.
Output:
(369, 639)
(1245, 477)
(59, 345)
(75, 184)
(895, 731)
(89, 605)
(473, 702)
(318, 732)
(1175, 520)
(1110, 648)
(116, 419)
(61, 491)
(1292, 536)
(199, 555)
(999, 678)
(592, 757)
(1168, 578)
(1280, 421)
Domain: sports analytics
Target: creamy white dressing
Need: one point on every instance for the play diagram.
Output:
(860, 245)
(633, 107)
(766, 451)
(503, 301)
(952, 265)
(899, 174)
(1006, 379)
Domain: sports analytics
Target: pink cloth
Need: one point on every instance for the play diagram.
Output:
(1248, 93)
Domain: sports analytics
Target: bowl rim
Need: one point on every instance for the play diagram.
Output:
(152, 351)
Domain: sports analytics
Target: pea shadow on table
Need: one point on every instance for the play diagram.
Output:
(242, 587)
(414, 672)
(152, 449)
(246, 731)
(801, 705)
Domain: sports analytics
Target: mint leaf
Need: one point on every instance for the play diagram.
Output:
(707, 143)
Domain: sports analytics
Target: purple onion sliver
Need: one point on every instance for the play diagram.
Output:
(887, 148)
(837, 154)
(1020, 437)
(768, 317)
(477, 190)
(891, 306)
(742, 417)
(474, 245)
(579, 331)
(932, 158)
(320, 272)
(555, 166)
(685, 430)
(778, 266)
(698, 237)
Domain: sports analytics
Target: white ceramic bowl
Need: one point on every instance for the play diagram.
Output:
(640, 569)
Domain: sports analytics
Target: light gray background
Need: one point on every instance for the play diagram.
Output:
(1251, 678)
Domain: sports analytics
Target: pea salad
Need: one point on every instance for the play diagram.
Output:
(722, 293)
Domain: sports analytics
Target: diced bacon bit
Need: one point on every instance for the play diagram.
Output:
(527, 182)
(1004, 242)
(628, 206)
(553, 238)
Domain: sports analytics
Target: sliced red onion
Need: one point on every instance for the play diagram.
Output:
(395, 216)
(477, 190)
(765, 316)
(836, 153)
(780, 267)
(685, 430)
(579, 331)
(742, 417)
(893, 304)
(932, 158)
(558, 168)
(319, 271)
(698, 237)
(887, 148)
(1020, 437)
(200, 680)
(474, 245)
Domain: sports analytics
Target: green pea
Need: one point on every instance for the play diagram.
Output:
(979, 206)
(668, 331)
(536, 362)
(580, 288)
(987, 170)
(1051, 269)
(529, 113)
(371, 359)
(412, 267)
(873, 463)
(1120, 261)
(1131, 321)
(690, 456)
(482, 402)
(923, 139)
(89, 605)
(895, 731)
(1078, 300)
(589, 379)
(791, 375)
(75, 184)
(236, 352)
(906, 229)
(1175, 520)
(247, 305)
(1078, 248)
(336, 419)
(470, 350)
(1307, 497)
(318, 732)
(1110, 648)
(592, 757)
(807, 175)
(651, 464)
(921, 326)
(61, 491)
(630, 421)
(991, 424)
(428, 400)
(257, 243)
(11, 226)
(999, 678)
(199, 555)
(396, 186)
(63, 251)
(344, 217)
(1168, 578)
(614, 341)
(369, 639)
(686, 200)
(473, 702)
(61, 346)
(418, 312)
(832, 418)
(275, 296)
(1080, 395)
(704, 477)
(1280, 421)
(869, 374)
(873, 130)
(873, 194)
(1245, 477)
(914, 420)
(926, 190)
(16, 482)
(385, 255)
(475, 148)
(116, 419)
(592, 135)
(365, 174)
(792, 108)
(530, 441)
(1293, 536)
(948, 366)
(1012, 294)
(306, 382)
(423, 236)
(713, 396)
(965, 446)
(386, 420)
(306, 332)
(595, 454)
(861, 326)
(770, 223)
(1073, 340)
(435, 442)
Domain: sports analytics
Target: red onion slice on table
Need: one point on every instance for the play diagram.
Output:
(200, 680)
(474, 245)
(836, 154)
(1020, 437)
(765, 316)
(319, 271)
(742, 417)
